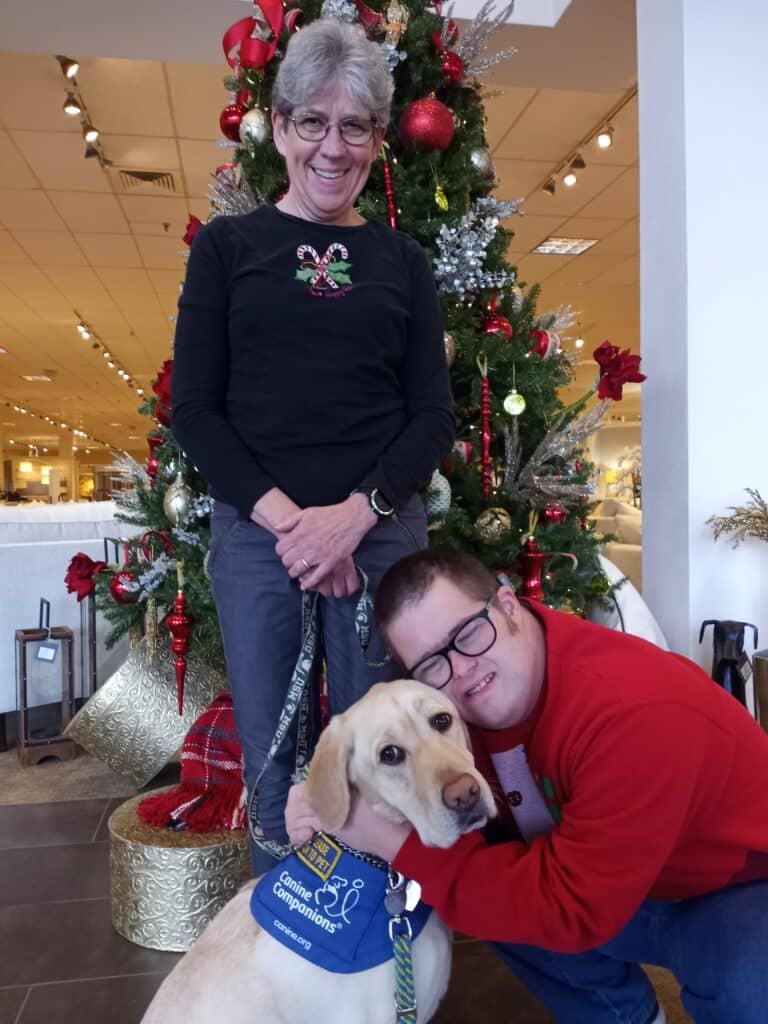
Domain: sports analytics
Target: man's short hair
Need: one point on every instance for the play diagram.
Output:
(408, 580)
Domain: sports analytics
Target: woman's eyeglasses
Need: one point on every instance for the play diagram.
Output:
(474, 638)
(353, 130)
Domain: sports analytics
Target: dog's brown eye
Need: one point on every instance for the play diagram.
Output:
(441, 722)
(392, 755)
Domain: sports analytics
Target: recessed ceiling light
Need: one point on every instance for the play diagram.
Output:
(564, 246)
(36, 378)
(3, 351)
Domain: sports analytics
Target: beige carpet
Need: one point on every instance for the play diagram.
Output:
(54, 781)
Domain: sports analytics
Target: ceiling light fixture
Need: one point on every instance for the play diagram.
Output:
(69, 67)
(578, 163)
(71, 105)
(579, 343)
(90, 134)
(604, 138)
(569, 179)
(549, 186)
(91, 150)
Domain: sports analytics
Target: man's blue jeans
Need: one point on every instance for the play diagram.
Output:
(715, 945)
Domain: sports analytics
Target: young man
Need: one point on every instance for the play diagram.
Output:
(633, 789)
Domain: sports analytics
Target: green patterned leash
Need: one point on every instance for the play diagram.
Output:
(402, 895)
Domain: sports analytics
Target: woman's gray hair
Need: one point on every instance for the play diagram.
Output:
(327, 52)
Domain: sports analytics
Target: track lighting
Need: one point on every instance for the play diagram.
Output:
(570, 179)
(69, 67)
(578, 163)
(91, 150)
(578, 343)
(71, 105)
(604, 138)
(549, 186)
(90, 134)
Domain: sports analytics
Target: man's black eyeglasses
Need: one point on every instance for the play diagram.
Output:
(476, 636)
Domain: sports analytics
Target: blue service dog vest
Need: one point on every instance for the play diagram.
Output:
(328, 906)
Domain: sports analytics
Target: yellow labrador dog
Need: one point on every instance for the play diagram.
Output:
(405, 749)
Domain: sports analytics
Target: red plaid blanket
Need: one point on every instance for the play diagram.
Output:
(211, 795)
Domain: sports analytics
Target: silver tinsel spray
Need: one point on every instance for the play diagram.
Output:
(459, 267)
(229, 194)
(475, 38)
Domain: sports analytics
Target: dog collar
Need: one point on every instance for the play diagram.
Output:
(327, 905)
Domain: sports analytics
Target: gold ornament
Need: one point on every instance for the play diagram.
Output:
(397, 15)
(177, 501)
(450, 348)
(441, 199)
(514, 403)
(254, 127)
(492, 524)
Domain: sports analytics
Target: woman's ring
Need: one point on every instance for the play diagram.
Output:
(306, 563)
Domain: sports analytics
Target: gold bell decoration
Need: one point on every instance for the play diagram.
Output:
(177, 501)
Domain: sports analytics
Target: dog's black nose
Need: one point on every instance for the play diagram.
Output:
(461, 794)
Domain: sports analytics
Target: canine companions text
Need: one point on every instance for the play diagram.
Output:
(405, 749)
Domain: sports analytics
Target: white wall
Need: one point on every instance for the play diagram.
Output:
(703, 221)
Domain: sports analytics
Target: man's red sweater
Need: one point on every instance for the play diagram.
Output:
(661, 778)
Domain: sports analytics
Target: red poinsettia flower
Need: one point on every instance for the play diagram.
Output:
(193, 226)
(162, 388)
(80, 574)
(616, 369)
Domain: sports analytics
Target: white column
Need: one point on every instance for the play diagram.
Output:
(703, 81)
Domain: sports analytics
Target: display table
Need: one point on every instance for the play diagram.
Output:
(36, 545)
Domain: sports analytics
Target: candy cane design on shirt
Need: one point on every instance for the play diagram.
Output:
(321, 272)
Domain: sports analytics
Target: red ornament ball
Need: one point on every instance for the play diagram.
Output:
(540, 345)
(453, 66)
(118, 590)
(426, 125)
(554, 513)
(229, 121)
(498, 325)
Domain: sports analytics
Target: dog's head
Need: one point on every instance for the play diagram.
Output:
(404, 747)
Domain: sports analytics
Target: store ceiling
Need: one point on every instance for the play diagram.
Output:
(76, 239)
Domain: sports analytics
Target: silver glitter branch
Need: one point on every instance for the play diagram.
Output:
(150, 580)
(536, 482)
(229, 194)
(460, 266)
(474, 39)
(339, 10)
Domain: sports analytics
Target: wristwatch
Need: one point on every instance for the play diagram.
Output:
(376, 500)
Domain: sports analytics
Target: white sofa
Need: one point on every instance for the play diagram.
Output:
(626, 523)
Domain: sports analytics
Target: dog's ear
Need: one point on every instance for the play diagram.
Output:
(327, 789)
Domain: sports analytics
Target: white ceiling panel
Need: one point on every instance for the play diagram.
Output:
(162, 252)
(67, 170)
(198, 97)
(109, 250)
(619, 199)
(89, 212)
(141, 152)
(28, 209)
(568, 116)
(11, 251)
(50, 247)
(126, 96)
(199, 160)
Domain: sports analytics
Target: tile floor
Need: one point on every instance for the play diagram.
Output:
(62, 963)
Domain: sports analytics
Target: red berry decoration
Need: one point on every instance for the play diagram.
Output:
(426, 125)
(118, 589)
(453, 67)
(498, 325)
(229, 121)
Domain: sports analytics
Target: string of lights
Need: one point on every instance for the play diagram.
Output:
(87, 333)
(77, 434)
(601, 134)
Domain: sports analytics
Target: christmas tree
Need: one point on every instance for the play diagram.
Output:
(516, 489)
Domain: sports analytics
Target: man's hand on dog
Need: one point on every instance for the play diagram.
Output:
(363, 830)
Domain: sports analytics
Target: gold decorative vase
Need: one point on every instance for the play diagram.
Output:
(166, 886)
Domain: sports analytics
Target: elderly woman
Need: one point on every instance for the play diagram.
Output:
(310, 389)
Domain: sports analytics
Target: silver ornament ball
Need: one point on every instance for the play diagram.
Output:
(480, 159)
(438, 497)
(254, 127)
